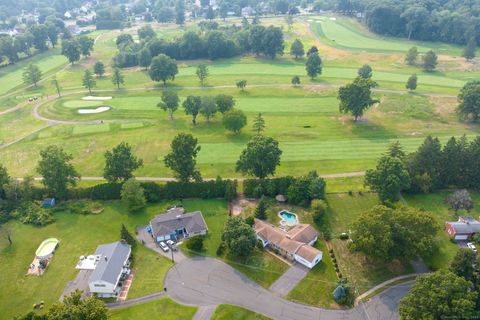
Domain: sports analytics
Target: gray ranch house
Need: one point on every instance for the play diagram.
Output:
(175, 224)
(111, 267)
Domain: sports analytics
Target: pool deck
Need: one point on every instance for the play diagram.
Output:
(34, 268)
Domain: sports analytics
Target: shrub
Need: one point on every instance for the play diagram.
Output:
(195, 244)
(33, 213)
(255, 188)
(250, 220)
(152, 191)
(319, 208)
(275, 250)
(350, 192)
(331, 251)
(344, 236)
(259, 245)
(221, 249)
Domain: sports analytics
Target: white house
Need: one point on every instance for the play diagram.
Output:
(112, 265)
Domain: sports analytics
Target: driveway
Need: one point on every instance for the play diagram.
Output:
(206, 281)
(289, 280)
(80, 282)
(144, 237)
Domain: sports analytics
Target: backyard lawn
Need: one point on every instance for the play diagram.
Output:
(162, 309)
(230, 312)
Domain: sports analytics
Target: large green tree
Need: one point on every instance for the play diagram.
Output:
(99, 69)
(465, 263)
(260, 158)
(209, 107)
(163, 68)
(356, 97)
(388, 178)
(313, 65)
(469, 101)
(71, 50)
(365, 71)
(170, 102)
(386, 234)
(411, 56)
(32, 74)
(86, 45)
(296, 49)
(74, 307)
(439, 295)
(192, 106)
(239, 237)
(469, 51)
(202, 73)
(411, 82)
(182, 157)
(133, 195)
(57, 171)
(117, 77)
(88, 81)
(120, 163)
(144, 58)
(429, 61)
(234, 120)
(258, 123)
(224, 102)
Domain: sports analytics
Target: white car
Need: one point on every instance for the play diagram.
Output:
(472, 247)
(170, 243)
(163, 246)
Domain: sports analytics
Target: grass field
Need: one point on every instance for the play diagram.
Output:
(163, 309)
(226, 311)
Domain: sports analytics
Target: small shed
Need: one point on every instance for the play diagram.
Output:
(48, 203)
(281, 198)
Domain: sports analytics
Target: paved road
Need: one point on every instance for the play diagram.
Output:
(135, 301)
(289, 280)
(204, 313)
(207, 281)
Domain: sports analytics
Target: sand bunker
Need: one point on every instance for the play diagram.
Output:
(93, 98)
(333, 18)
(97, 110)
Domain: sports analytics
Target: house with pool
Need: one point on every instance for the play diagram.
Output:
(296, 244)
(175, 224)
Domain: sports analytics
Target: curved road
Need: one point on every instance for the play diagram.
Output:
(207, 281)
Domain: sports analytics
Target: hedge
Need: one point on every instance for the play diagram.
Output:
(255, 188)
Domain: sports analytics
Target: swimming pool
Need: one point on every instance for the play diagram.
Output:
(288, 218)
(46, 248)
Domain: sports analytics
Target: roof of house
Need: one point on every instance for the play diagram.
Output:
(112, 259)
(465, 228)
(303, 232)
(308, 253)
(284, 240)
(175, 219)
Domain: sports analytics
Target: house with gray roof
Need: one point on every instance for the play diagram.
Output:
(111, 267)
(463, 229)
(175, 224)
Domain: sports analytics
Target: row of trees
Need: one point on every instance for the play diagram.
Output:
(73, 48)
(429, 59)
(430, 168)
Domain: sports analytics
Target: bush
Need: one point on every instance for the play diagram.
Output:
(319, 208)
(33, 213)
(259, 245)
(255, 188)
(105, 191)
(221, 249)
(275, 250)
(250, 220)
(82, 207)
(344, 236)
(350, 192)
(195, 244)
(152, 191)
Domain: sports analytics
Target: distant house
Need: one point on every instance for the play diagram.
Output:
(463, 229)
(111, 266)
(295, 244)
(247, 11)
(176, 224)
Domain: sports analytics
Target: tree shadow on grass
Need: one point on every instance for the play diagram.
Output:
(364, 129)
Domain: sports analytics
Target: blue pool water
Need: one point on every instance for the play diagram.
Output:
(288, 218)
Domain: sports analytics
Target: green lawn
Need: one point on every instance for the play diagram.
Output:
(227, 311)
(79, 235)
(162, 309)
(361, 272)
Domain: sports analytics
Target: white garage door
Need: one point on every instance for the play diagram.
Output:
(461, 237)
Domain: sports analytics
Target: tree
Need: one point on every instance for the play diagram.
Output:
(429, 61)
(54, 82)
(32, 74)
(239, 237)
(439, 295)
(469, 51)
(144, 58)
(88, 81)
(145, 33)
(99, 69)
(224, 102)
(71, 50)
(261, 209)
(86, 45)
(258, 124)
(202, 73)
(296, 81)
(210, 14)
(170, 102)
(192, 106)
(182, 157)
(313, 65)
(127, 236)
(460, 199)
(412, 82)
(468, 98)
(386, 234)
(6, 232)
(163, 68)
(120, 163)
(209, 107)
(273, 43)
(180, 13)
(355, 97)
(388, 179)
(195, 244)
(260, 158)
(424, 165)
(117, 77)
(463, 265)
(411, 56)
(306, 188)
(123, 39)
(365, 71)
(296, 49)
(57, 171)
(242, 84)
(73, 306)
(4, 180)
(133, 195)
(52, 33)
(234, 120)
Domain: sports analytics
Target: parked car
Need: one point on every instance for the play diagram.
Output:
(163, 246)
(472, 247)
(171, 244)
